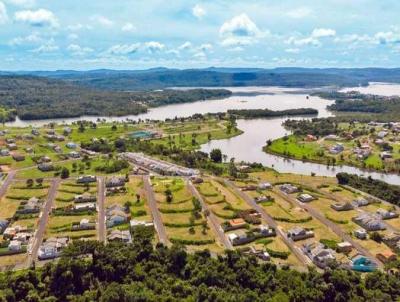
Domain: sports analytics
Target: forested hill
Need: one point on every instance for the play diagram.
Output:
(41, 98)
(222, 77)
(139, 272)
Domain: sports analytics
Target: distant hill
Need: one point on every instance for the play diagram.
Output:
(157, 78)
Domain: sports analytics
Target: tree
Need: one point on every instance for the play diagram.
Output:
(216, 155)
(64, 173)
(39, 181)
(29, 182)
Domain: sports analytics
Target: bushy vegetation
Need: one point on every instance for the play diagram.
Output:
(41, 98)
(138, 272)
(375, 187)
(259, 113)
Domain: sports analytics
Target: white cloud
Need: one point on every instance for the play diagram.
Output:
(102, 20)
(198, 11)
(303, 41)
(49, 46)
(23, 3)
(388, 37)
(77, 50)
(78, 26)
(128, 27)
(33, 38)
(153, 46)
(323, 32)
(124, 49)
(299, 13)
(185, 46)
(3, 13)
(239, 31)
(199, 55)
(292, 50)
(206, 47)
(40, 17)
(73, 36)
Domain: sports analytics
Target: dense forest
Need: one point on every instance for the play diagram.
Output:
(260, 113)
(157, 78)
(140, 272)
(316, 126)
(375, 187)
(41, 98)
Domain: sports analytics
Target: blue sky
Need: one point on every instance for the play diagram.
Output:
(137, 34)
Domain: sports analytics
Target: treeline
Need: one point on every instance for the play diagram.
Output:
(139, 272)
(260, 113)
(375, 187)
(41, 98)
(316, 126)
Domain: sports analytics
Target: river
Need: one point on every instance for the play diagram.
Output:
(247, 146)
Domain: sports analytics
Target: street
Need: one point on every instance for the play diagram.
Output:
(158, 224)
(101, 215)
(213, 221)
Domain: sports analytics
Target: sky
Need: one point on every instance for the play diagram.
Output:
(140, 34)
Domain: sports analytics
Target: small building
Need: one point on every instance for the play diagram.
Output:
(67, 131)
(85, 197)
(361, 202)
(12, 146)
(234, 224)
(52, 247)
(18, 157)
(345, 206)
(71, 145)
(310, 138)
(344, 247)
(298, 233)
(82, 207)
(73, 154)
(369, 222)
(305, 198)
(118, 235)
(4, 152)
(35, 132)
(264, 186)
(115, 182)
(361, 234)
(336, 149)
(319, 255)
(3, 225)
(30, 206)
(382, 134)
(385, 214)
(289, 189)
(86, 179)
(383, 155)
(45, 167)
(134, 223)
(262, 198)
(15, 246)
(386, 256)
(259, 253)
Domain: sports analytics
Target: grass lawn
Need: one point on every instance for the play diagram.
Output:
(59, 226)
(12, 260)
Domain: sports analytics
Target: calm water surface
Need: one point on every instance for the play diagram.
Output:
(248, 146)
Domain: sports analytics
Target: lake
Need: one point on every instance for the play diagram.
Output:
(248, 146)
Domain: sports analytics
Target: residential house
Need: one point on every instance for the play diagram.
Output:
(234, 224)
(298, 233)
(386, 256)
(74, 154)
(82, 207)
(259, 253)
(86, 179)
(3, 225)
(361, 234)
(344, 247)
(10, 140)
(249, 188)
(393, 241)
(264, 186)
(115, 182)
(23, 237)
(35, 132)
(385, 214)
(331, 137)
(67, 131)
(71, 145)
(263, 198)
(30, 206)
(310, 138)
(18, 157)
(288, 189)
(242, 237)
(305, 198)
(361, 202)
(361, 263)
(250, 216)
(15, 246)
(336, 149)
(386, 155)
(12, 146)
(319, 255)
(116, 215)
(382, 134)
(118, 235)
(342, 206)
(134, 223)
(4, 152)
(45, 167)
(369, 222)
(85, 197)
(52, 247)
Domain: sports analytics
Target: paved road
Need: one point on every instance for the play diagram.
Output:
(7, 182)
(333, 226)
(38, 239)
(157, 220)
(101, 214)
(213, 221)
(271, 222)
